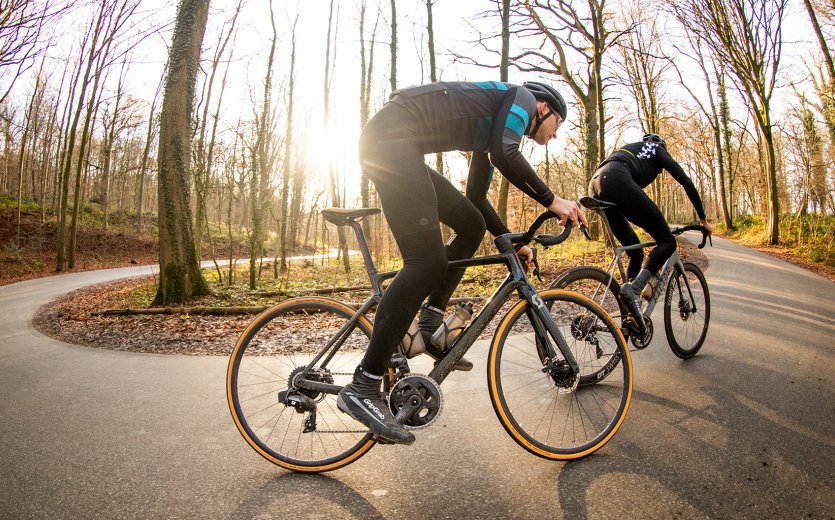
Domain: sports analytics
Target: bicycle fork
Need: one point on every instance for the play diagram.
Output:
(545, 329)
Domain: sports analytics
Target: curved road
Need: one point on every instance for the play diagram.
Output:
(744, 430)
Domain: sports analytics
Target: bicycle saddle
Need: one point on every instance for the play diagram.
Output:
(343, 216)
(592, 203)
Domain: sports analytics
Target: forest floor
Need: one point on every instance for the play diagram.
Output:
(35, 256)
(79, 316)
(75, 319)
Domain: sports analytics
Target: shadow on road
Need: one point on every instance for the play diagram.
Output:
(296, 495)
(733, 453)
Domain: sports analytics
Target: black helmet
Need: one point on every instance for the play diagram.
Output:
(655, 138)
(548, 94)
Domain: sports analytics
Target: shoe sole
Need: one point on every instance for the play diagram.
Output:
(340, 404)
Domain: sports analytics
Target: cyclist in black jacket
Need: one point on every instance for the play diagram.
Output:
(487, 118)
(621, 179)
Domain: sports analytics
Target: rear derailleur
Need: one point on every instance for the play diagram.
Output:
(302, 399)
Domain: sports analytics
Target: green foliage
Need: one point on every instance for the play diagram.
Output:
(27, 205)
(810, 236)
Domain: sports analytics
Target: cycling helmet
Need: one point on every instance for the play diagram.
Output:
(548, 94)
(655, 138)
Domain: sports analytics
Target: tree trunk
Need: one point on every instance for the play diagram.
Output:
(504, 184)
(180, 277)
(70, 143)
(146, 150)
(392, 46)
(286, 174)
(262, 165)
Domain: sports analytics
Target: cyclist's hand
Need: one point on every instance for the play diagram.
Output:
(526, 255)
(707, 226)
(568, 210)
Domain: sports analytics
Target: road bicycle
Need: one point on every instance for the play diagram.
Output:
(288, 365)
(681, 284)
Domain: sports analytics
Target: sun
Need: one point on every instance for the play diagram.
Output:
(334, 147)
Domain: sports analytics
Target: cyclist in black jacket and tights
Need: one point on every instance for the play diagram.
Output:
(487, 118)
(621, 179)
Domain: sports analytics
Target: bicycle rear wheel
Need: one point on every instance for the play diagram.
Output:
(539, 414)
(271, 352)
(686, 317)
(596, 285)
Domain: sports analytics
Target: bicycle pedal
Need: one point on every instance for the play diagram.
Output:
(380, 440)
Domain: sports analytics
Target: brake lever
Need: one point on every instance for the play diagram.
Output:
(585, 231)
(536, 264)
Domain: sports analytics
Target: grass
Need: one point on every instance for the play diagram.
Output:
(811, 236)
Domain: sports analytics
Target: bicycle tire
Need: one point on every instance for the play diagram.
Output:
(595, 284)
(686, 330)
(278, 342)
(528, 403)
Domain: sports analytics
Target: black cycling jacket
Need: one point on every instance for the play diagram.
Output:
(645, 161)
(488, 118)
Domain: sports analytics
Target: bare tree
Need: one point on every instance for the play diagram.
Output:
(716, 112)
(366, 73)
(561, 27)
(504, 75)
(180, 277)
(326, 95)
(261, 163)
(204, 151)
(287, 167)
(825, 85)
(149, 138)
(22, 27)
(393, 47)
(747, 36)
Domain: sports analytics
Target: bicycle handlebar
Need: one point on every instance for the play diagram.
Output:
(545, 239)
(694, 227)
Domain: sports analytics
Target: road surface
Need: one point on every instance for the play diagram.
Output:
(743, 430)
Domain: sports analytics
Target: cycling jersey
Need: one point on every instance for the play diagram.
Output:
(487, 118)
(645, 160)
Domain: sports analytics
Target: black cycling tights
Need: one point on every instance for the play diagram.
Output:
(415, 200)
(613, 183)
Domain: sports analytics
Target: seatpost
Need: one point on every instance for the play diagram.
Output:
(366, 253)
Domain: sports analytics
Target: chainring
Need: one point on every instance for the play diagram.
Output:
(424, 387)
(643, 342)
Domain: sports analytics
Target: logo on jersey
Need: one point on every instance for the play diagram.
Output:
(648, 151)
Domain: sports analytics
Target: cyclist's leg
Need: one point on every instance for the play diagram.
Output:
(457, 212)
(644, 213)
(635, 206)
(391, 158)
(608, 185)
(627, 237)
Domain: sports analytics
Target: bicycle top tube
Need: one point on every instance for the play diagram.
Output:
(505, 243)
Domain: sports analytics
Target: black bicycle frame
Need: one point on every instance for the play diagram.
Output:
(516, 280)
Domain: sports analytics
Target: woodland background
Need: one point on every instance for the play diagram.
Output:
(742, 90)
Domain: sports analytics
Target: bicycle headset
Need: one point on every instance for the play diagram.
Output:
(549, 95)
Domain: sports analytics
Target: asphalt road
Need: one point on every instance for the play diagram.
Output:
(743, 430)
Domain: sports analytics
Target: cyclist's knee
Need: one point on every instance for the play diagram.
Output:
(665, 246)
(469, 225)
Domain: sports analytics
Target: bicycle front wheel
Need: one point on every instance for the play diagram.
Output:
(270, 353)
(598, 286)
(686, 312)
(541, 413)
